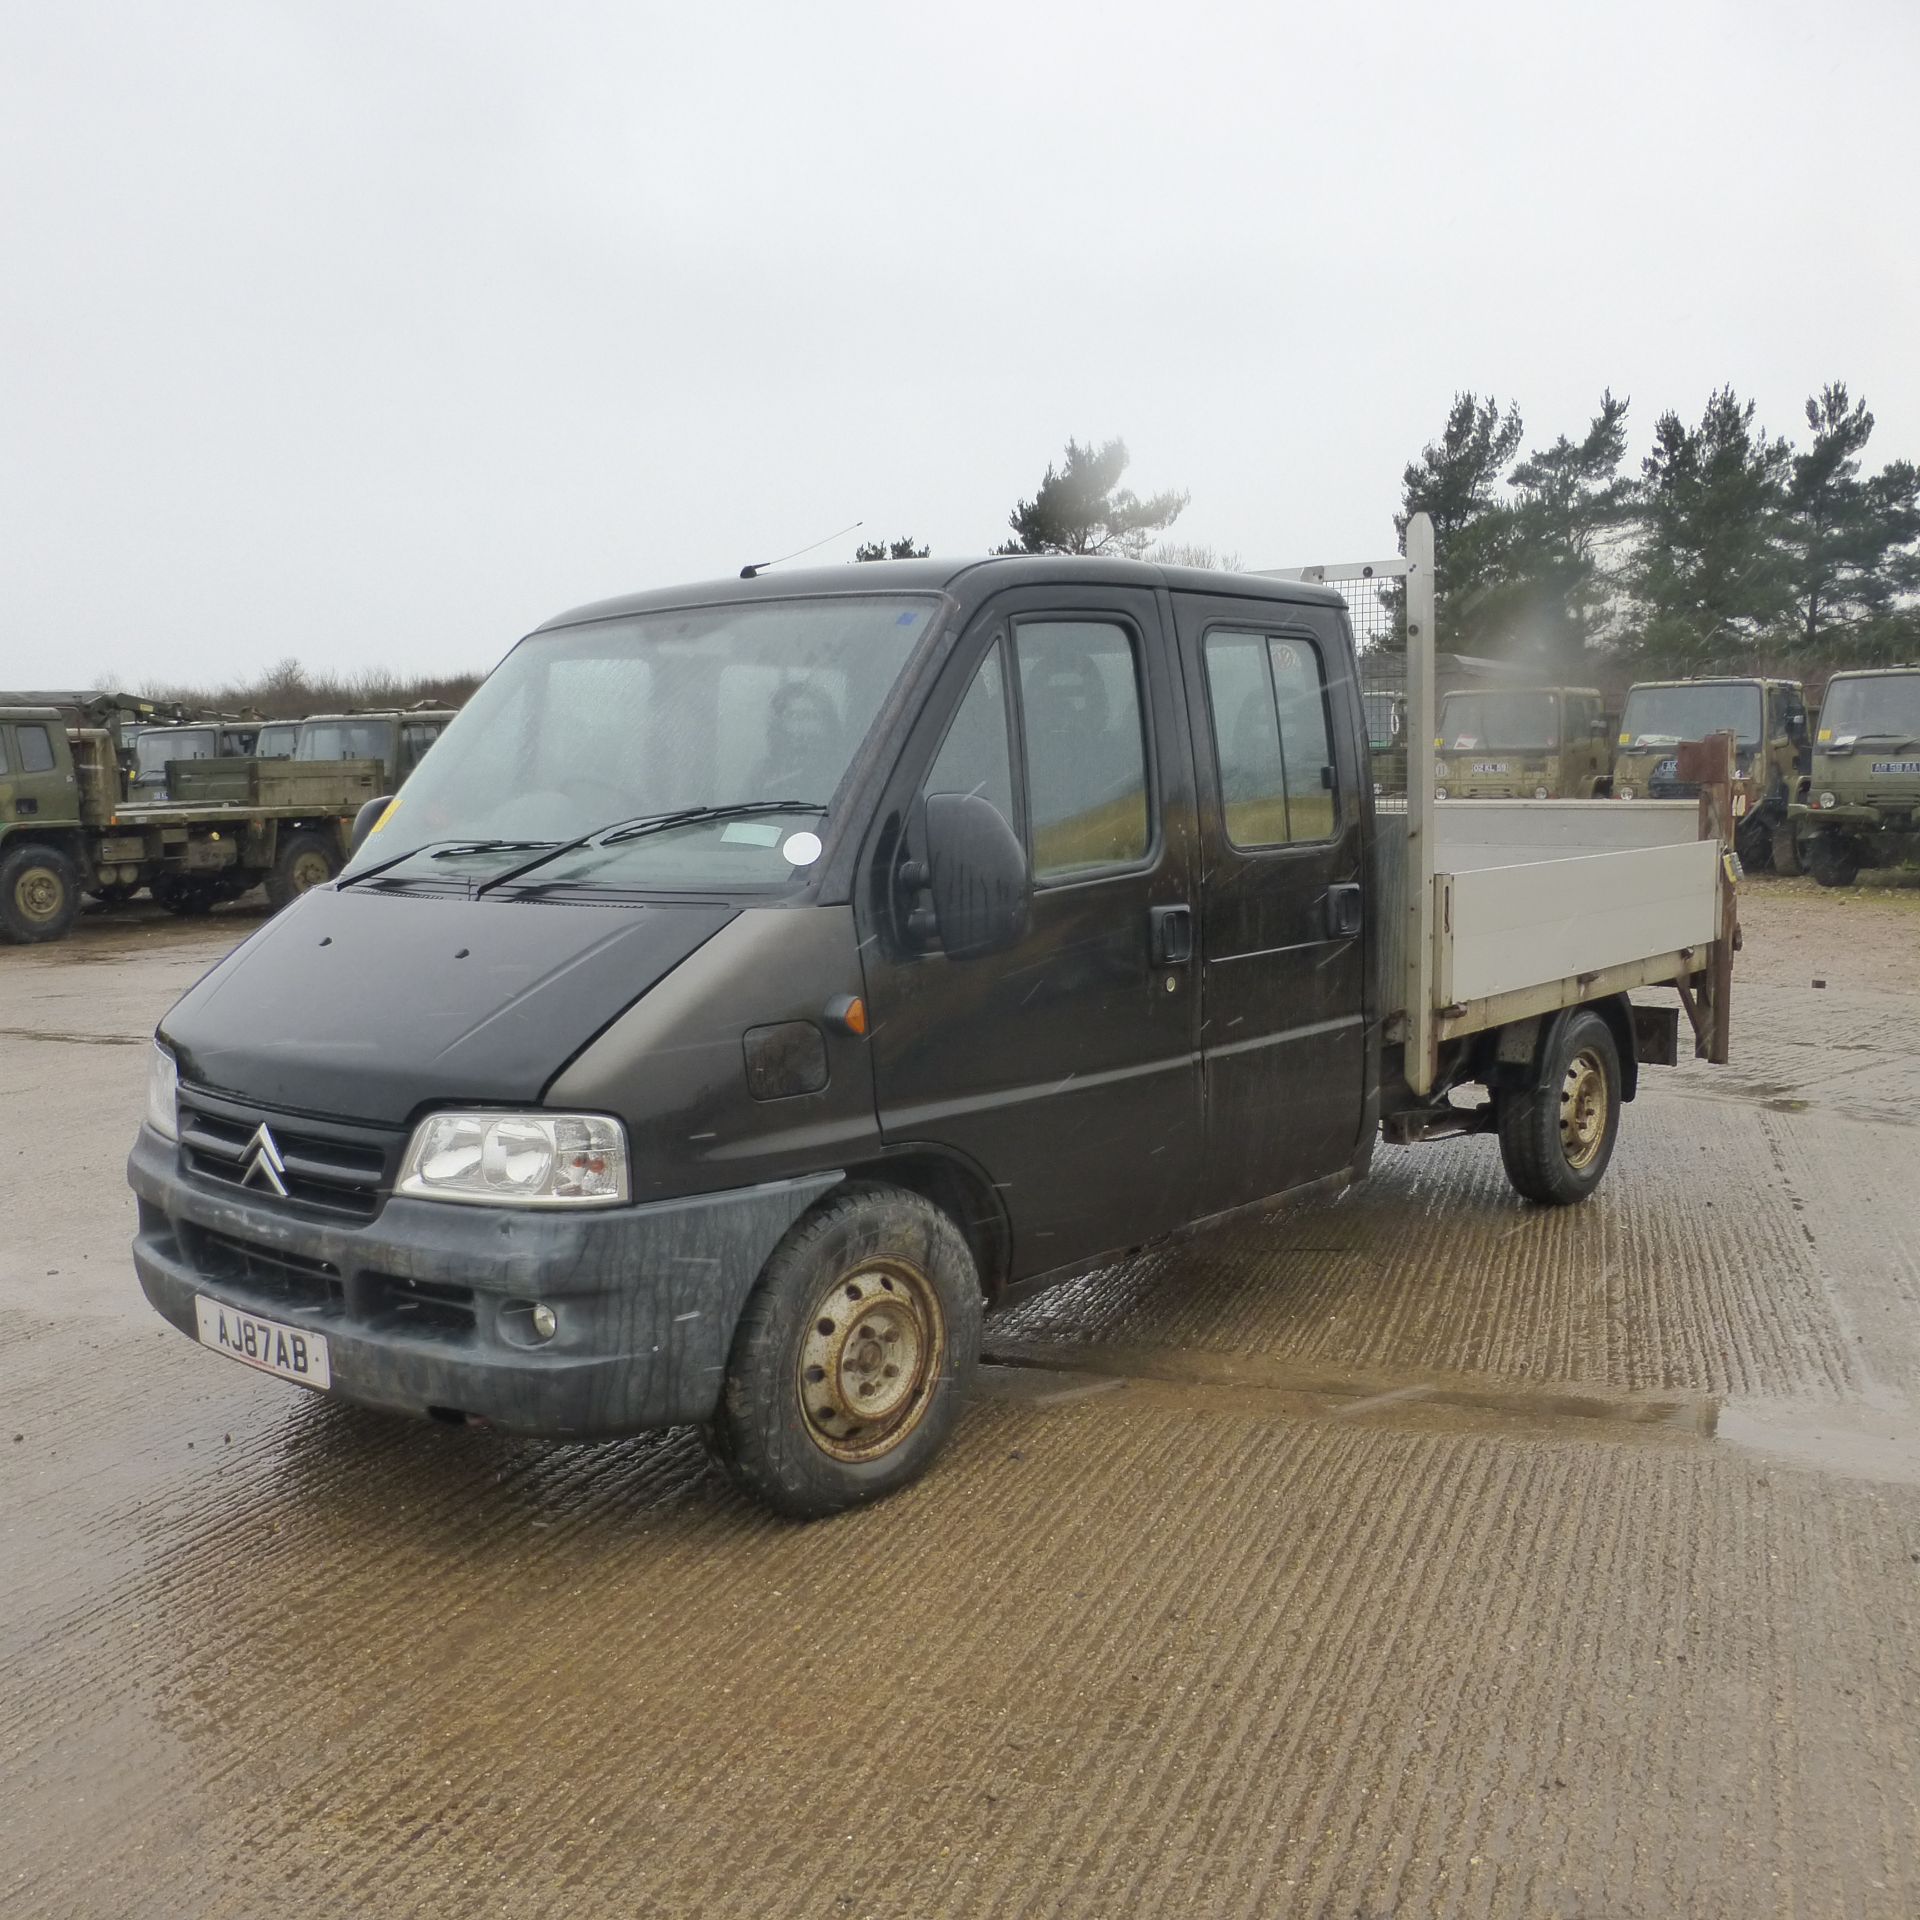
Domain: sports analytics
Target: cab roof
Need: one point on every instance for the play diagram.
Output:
(970, 578)
(1721, 680)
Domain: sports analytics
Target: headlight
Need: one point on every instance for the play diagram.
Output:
(517, 1160)
(1439, 793)
(163, 1093)
(1827, 800)
(1540, 793)
(1625, 793)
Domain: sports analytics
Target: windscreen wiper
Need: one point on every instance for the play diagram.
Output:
(619, 830)
(443, 850)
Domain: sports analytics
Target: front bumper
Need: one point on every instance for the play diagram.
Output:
(1855, 813)
(425, 1307)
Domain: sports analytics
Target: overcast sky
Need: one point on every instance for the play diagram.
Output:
(373, 331)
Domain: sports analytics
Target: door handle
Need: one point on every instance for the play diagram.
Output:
(1172, 935)
(1343, 909)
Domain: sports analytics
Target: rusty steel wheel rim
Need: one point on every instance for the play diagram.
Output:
(875, 1343)
(38, 894)
(1583, 1108)
(310, 870)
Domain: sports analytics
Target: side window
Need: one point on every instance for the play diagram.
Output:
(975, 756)
(1268, 697)
(416, 737)
(36, 750)
(1086, 746)
(3, 751)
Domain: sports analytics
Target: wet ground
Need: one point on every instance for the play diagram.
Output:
(1417, 1553)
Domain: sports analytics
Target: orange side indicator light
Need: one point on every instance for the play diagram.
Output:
(848, 1012)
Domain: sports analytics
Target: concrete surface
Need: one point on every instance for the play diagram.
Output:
(1413, 1554)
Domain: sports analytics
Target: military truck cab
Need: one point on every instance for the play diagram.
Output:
(1861, 804)
(1772, 751)
(1521, 743)
(398, 739)
(156, 746)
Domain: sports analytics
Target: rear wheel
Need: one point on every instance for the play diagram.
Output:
(1835, 860)
(852, 1358)
(305, 861)
(39, 894)
(1786, 851)
(1557, 1135)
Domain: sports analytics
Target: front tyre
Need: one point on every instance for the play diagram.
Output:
(1557, 1135)
(1835, 860)
(853, 1356)
(39, 894)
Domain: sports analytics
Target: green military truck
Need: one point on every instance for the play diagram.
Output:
(1521, 743)
(1861, 807)
(65, 829)
(1772, 750)
(396, 737)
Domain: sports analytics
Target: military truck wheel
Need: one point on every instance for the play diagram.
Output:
(1557, 1135)
(305, 861)
(853, 1356)
(1786, 851)
(1753, 842)
(1834, 859)
(39, 894)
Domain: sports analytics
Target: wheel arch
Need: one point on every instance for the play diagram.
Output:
(962, 1192)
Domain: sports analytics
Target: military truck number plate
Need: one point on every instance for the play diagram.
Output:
(291, 1352)
(1490, 766)
(1896, 766)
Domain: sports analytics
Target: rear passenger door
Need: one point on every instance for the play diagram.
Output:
(1283, 1053)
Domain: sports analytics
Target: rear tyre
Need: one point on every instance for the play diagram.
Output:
(853, 1356)
(305, 861)
(39, 894)
(1786, 852)
(1557, 1136)
(1835, 861)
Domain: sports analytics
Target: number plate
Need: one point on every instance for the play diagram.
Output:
(291, 1352)
(1490, 766)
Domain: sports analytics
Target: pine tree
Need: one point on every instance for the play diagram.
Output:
(1456, 480)
(1710, 574)
(891, 550)
(1081, 507)
(1554, 594)
(1852, 545)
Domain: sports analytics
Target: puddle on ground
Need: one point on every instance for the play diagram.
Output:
(1850, 1441)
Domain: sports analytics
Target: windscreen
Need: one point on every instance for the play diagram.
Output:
(344, 740)
(1881, 707)
(1512, 721)
(625, 721)
(154, 749)
(1664, 716)
(276, 743)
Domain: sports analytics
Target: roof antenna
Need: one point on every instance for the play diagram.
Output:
(756, 568)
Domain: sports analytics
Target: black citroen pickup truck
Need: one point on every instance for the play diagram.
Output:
(759, 979)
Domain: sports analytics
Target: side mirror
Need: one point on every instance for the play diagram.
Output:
(363, 822)
(977, 873)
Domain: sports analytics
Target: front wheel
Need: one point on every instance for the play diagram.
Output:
(1834, 860)
(39, 894)
(1753, 842)
(1557, 1135)
(853, 1356)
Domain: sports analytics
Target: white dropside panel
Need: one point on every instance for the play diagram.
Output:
(1504, 833)
(1504, 928)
